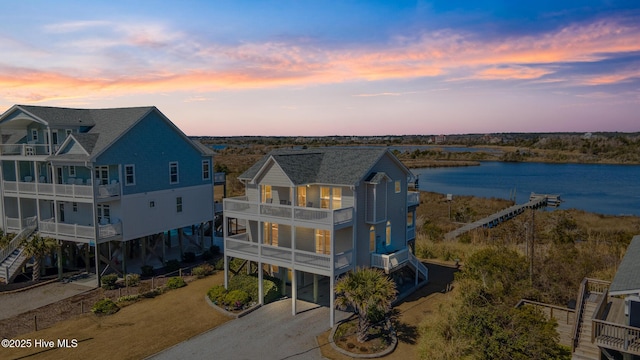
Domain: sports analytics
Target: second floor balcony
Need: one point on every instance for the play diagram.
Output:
(61, 230)
(241, 207)
(20, 150)
(76, 189)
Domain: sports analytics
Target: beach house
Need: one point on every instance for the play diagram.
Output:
(310, 215)
(110, 184)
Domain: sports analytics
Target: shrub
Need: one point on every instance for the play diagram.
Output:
(172, 265)
(175, 283)
(104, 307)
(206, 255)
(147, 270)
(216, 294)
(109, 281)
(128, 298)
(236, 299)
(249, 284)
(132, 280)
(203, 270)
(219, 264)
(189, 257)
(151, 293)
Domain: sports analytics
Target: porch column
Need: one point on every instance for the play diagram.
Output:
(97, 260)
(226, 272)
(59, 251)
(294, 291)
(260, 285)
(180, 234)
(143, 253)
(315, 288)
(124, 245)
(164, 250)
(332, 307)
(87, 250)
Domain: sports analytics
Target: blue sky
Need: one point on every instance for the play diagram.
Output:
(333, 68)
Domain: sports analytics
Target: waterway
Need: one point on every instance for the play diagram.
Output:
(603, 189)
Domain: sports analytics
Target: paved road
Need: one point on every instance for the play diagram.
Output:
(270, 332)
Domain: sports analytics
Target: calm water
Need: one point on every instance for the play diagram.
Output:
(604, 189)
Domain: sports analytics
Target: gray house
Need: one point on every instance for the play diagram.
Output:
(311, 215)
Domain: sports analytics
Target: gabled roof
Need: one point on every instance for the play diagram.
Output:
(105, 126)
(337, 165)
(627, 279)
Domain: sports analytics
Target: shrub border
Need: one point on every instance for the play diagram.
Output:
(229, 313)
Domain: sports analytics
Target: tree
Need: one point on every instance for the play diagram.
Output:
(367, 291)
(37, 247)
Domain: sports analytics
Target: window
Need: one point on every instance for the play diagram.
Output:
(271, 234)
(34, 134)
(323, 242)
(72, 171)
(104, 214)
(206, 173)
(410, 219)
(68, 132)
(129, 175)
(398, 186)
(372, 239)
(267, 195)
(179, 204)
(102, 175)
(336, 201)
(152, 204)
(302, 196)
(173, 173)
(325, 197)
(75, 207)
(388, 233)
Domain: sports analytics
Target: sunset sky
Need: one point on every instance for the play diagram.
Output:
(332, 67)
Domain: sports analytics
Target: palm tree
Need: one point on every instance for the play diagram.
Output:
(366, 291)
(37, 247)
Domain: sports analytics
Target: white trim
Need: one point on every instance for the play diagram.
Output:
(208, 172)
(171, 165)
(133, 174)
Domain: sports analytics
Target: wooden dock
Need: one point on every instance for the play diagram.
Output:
(536, 201)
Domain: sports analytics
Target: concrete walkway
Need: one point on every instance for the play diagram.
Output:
(270, 332)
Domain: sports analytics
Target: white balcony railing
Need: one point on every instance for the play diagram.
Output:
(57, 229)
(64, 190)
(413, 198)
(239, 245)
(242, 206)
(24, 149)
(388, 262)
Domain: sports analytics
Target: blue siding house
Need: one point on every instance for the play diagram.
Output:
(114, 182)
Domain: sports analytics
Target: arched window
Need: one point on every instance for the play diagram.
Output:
(372, 239)
(388, 233)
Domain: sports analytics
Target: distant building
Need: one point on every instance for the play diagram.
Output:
(439, 139)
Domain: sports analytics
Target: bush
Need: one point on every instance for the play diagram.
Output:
(249, 284)
(219, 264)
(216, 294)
(105, 307)
(203, 271)
(189, 257)
(151, 293)
(128, 298)
(172, 265)
(109, 281)
(206, 255)
(147, 270)
(175, 283)
(132, 280)
(236, 299)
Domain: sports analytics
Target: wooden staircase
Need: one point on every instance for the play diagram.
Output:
(585, 348)
(13, 257)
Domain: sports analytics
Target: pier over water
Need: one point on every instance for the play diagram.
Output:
(536, 201)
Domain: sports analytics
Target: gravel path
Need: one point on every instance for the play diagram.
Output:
(23, 301)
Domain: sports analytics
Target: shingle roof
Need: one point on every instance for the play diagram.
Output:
(105, 125)
(627, 279)
(337, 165)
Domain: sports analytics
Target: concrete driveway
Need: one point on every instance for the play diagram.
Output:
(270, 332)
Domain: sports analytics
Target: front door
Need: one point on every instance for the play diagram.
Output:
(61, 212)
(102, 175)
(59, 175)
